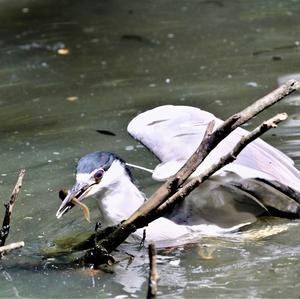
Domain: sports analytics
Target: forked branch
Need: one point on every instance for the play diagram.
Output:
(230, 157)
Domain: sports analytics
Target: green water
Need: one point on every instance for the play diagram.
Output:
(125, 57)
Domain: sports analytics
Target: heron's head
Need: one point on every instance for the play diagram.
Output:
(95, 172)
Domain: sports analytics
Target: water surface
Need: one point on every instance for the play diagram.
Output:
(120, 58)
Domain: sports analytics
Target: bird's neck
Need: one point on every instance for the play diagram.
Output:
(118, 201)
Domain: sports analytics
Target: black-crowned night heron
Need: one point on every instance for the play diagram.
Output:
(262, 180)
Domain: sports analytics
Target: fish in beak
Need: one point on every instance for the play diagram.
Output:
(74, 197)
(86, 185)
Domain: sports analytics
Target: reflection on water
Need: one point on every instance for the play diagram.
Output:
(70, 68)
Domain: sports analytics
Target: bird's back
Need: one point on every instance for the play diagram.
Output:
(173, 133)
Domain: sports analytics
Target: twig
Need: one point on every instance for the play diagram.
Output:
(6, 248)
(9, 208)
(230, 157)
(153, 276)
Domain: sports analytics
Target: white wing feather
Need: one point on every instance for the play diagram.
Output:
(173, 133)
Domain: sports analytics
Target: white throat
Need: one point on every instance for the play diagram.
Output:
(118, 197)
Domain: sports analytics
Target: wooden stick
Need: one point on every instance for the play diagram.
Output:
(153, 276)
(6, 248)
(9, 208)
(230, 157)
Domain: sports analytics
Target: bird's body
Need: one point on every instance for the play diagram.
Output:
(233, 197)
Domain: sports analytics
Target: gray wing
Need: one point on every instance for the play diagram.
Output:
(173, 133)
(235, 202)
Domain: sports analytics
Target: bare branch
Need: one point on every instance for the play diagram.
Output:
(153, 276)
(6, 248)
(230, 157)
(9, 208)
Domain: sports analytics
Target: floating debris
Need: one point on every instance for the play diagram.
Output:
(106, 132)
(72, 98)
(252, 84)
(63, 51)
(138, 39)
(129, 148)
(25, 10)
(135, 37)
(280, 48)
